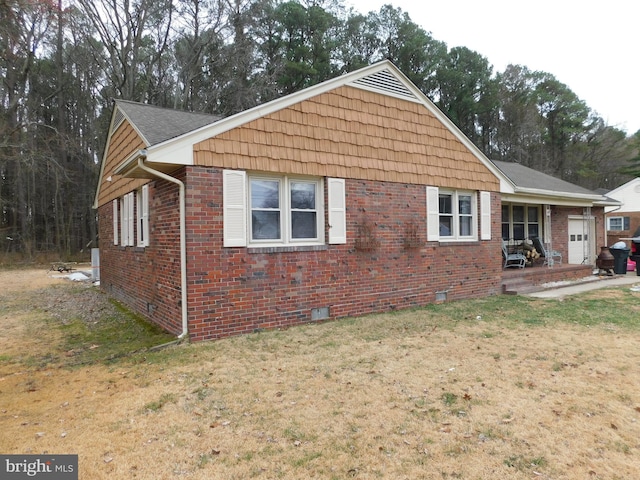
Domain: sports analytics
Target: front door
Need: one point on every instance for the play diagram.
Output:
(581, 240)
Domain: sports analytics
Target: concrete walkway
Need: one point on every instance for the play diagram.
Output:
(590, 283)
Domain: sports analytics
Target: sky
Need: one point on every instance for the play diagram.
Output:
(593, 48)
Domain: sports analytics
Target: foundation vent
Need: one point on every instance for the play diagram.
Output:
(441, 296)
(321, 313)
(385, 82)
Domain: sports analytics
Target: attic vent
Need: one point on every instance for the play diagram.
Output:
(117, 120)
(384, 81)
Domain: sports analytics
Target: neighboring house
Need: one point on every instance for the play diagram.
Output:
(624, 219)
(353, 196)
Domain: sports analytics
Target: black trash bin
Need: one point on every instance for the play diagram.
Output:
(620, 256)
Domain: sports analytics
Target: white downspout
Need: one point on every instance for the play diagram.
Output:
(183, 242)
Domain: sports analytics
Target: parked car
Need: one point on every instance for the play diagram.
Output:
(635, 250)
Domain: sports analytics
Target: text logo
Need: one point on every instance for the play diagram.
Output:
(49, 467)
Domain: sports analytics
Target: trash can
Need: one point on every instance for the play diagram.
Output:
(620, 255)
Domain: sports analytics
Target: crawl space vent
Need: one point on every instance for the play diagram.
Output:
(321, 313)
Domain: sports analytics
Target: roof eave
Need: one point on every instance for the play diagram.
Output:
(567, 198)
(130, 163)
(608, 203)
(553, 193)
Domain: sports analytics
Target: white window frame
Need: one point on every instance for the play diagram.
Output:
(618, 218)
(285, 210)
(142, 210)
(526, 222)
(456, 216)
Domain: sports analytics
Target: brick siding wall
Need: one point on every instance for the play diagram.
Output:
(560, 228)
(239, 290)
(615, 236)
(234, 291)
(146, 279)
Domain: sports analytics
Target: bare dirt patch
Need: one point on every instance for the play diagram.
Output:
(435, 393)
(17, 314)
(20, 280)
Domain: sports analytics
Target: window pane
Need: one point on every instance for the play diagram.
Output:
(303, 225)
(465, 226)
(518, 231)
(505, 231)
(615, 223)
(532, 214)
(265, 194)
(505, 213)
(533, 230)
(265, 225)
(445, 226)
(518, 213)
(303, 196)
(464, 205)
(446, 204)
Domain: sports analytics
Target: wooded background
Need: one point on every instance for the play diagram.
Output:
(62, 63)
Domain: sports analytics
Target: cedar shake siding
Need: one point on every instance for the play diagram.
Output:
(123, 143)
(351, 133)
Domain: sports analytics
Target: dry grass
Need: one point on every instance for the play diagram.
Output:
(525, 392)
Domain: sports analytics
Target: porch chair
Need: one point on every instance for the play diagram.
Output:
(551, 257)
(512, 259)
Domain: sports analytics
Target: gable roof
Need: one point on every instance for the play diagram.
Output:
(155, 124)
(382, 77)
(532, 183)
(170, 136)
(529, 178)
(631, 185)
(627, 195)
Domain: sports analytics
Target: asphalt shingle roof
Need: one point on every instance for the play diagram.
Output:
(525, 177)
(158, 124)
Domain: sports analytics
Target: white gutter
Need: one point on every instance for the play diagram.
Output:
(549, 193)
(142, 156)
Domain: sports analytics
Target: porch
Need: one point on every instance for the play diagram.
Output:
(530, 279)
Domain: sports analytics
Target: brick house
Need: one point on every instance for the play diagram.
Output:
(623, 220)
(567, 217)
(353, 196)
